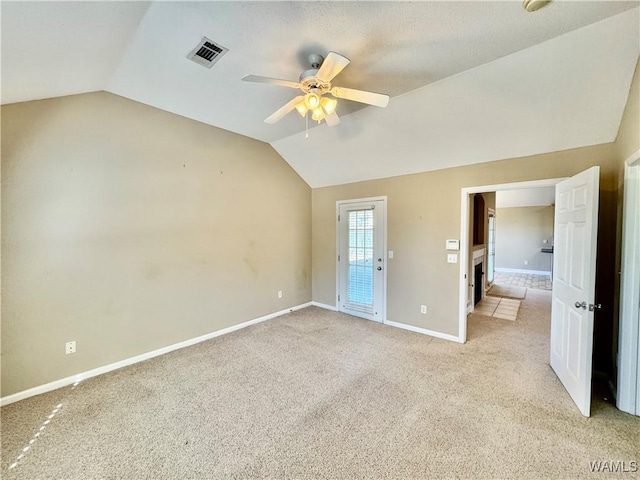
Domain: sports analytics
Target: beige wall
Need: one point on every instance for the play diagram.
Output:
(424, 211)
(127, 229)
(519, 237)
(628, 139)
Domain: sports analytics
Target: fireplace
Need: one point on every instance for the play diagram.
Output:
(477, 283)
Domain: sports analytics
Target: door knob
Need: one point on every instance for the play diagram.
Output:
(379, 268)
(581, 305)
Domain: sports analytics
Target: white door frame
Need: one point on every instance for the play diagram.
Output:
(464, 238)
(628, 394)
(384, 248)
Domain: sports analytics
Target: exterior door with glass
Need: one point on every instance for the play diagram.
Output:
(361, 258)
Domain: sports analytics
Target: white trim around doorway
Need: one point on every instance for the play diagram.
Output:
(464, 238)
(628, 388)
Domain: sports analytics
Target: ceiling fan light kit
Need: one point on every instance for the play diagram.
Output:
(315, 83)
(533, 5)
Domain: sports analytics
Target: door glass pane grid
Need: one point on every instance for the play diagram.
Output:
(360, 278)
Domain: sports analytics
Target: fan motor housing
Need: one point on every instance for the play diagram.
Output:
(309, 82)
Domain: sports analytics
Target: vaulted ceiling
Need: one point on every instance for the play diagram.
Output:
(470, 81)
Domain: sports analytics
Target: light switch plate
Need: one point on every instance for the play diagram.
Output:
(390, 253)
(452, 258)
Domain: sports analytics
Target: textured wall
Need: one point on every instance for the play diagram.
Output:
(128, 229)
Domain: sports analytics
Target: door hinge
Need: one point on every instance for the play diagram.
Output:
(338, 257)
(338, 217)
(338, 297)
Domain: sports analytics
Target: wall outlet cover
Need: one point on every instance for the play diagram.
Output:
(70, 347)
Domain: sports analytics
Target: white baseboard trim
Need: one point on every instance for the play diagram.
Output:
(517, 270)
(424, 331)
(63, 382)
(325, 306)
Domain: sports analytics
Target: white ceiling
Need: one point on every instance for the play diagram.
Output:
(526, 197)
(51, 49)
(568, 92)
(532, 83)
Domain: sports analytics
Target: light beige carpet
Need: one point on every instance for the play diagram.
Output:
(507, 291)
(317, 394)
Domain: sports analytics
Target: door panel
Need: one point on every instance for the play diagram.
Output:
(361, 259)
(576, 224)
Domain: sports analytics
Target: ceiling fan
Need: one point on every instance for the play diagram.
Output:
(315, 83)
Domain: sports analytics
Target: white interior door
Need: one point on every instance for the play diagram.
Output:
(576, 224)
(361, 259)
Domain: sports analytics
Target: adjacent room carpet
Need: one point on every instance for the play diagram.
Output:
(318, 394)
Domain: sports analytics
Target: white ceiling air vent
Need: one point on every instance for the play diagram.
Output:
(207, 52)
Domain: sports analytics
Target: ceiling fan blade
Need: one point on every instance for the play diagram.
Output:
(332, 66)
(332, 120)
(282, 111)
(370, 98)
(271, 81)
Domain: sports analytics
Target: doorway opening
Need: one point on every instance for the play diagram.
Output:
(485, 253)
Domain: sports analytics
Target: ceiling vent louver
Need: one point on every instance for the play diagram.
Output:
(207, 52)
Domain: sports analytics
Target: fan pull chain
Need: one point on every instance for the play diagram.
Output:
(306, 119)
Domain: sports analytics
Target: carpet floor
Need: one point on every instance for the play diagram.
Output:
(507, 291)
(318, 394)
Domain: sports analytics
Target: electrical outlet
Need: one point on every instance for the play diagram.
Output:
(279, 293)
(70, 347)
(390, 253)
(423, 309)
(526, 262)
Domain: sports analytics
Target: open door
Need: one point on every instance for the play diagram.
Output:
(573, 301)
